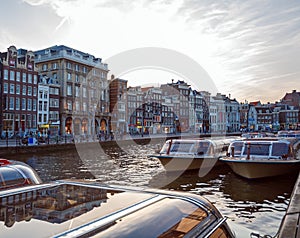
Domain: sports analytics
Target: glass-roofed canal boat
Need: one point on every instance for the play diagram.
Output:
(191, 154)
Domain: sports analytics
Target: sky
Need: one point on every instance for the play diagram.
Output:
(249, 49)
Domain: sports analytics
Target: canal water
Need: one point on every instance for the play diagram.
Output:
(257, 205)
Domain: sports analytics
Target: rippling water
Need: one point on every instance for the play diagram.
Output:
(257, 205)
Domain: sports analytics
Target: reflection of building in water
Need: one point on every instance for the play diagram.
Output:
(55, 204)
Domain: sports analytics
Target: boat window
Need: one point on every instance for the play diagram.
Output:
(181, 147)
(257, 149)
(167, 218)
(203, 147)
(164, 150)
(11, 177)
(238, 146)
(280, 149)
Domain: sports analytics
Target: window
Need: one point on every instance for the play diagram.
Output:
(84, 107)
(77, 67)
(24, 77)
(45, 106)
(23, 104)
(45, 67)
(40, 94)
(45, 94)
(45, 118)
(54, 102)
(40, 106)
(54, 75)
(35, 79)
(29, 78)
(34, 105)
(34, 91)
(18, 89)
(77, 106)
(69, 90)
(18, 77)
(29, 104)
(77, 91)
(69, 105)
(17, 103)
(12, 75)
(24, 90)
(40, 117)
(29, 90)
(12, 89)
(84, 69)
(84, 92)
(11, 103)
(54, 65)
(34, 121)
(54, 116)
(69, 76)
(5, 75)
(5, 88)
(69, 66)
(76, 78)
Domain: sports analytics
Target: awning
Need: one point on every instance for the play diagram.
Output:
(44, 126)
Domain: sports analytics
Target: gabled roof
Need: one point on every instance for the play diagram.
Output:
(255, 103)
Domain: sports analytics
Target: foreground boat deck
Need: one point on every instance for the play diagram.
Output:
(290, 226)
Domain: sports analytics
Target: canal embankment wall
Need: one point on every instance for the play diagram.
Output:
(50, 148)
(290, 225)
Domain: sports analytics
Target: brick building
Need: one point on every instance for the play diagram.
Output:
(19, 81)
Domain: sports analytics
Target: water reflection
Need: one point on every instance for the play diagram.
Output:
(269, 189)
(258, 205)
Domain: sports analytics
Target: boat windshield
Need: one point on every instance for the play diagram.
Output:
(257, 149)
(165, 148)
(280, 149)
(182, 147)
(238, 146)
(203, 147)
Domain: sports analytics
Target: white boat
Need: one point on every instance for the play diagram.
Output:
(191, 154)
(289, 134)
(250, 135)
(262, 157)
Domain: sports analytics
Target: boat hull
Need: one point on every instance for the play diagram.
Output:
(254, 169)
(187, 163)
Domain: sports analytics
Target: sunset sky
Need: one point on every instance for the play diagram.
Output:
(250, 49)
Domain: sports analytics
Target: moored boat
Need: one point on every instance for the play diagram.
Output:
(289, 134)
(16, 174)
(262, 157)
(191, 154)
(77, 209)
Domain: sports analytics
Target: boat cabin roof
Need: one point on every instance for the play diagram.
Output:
(74, 209)
(262, 147)
(189, 146)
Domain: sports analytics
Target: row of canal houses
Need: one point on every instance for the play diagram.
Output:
(60, 90)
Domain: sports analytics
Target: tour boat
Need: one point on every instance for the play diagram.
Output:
(85, 209)
(262, 157)
(250, 135)
(191, 154)
(289, 134)
(16, 174)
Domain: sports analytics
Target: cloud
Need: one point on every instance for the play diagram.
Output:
(244, 45)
